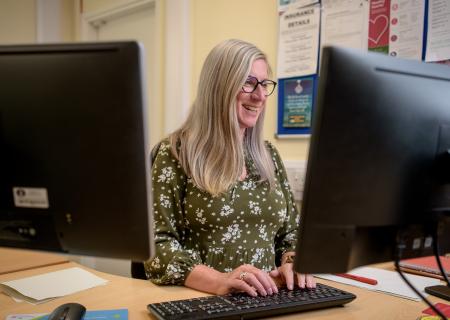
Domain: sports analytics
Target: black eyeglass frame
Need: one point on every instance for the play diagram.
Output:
(260, 83)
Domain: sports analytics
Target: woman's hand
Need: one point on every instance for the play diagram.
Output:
(246, 278)
(249, 279)
(285, 274)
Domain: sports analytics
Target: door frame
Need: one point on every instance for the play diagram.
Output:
(174, 16)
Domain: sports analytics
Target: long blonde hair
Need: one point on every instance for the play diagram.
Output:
(210, 148)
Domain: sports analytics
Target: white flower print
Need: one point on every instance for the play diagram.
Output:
(249, 185)
(163, 149)
(173, 271)
(254, 207)
(297, 219)
(279, 192)
(263, 233)
(216, 250)
(164, 200)
(199, 216)
(290, 236)
(233, 233)
(226, 210)
(155, 263)
(256, 258)
(174, 246)
(282, 214)
(167, 175)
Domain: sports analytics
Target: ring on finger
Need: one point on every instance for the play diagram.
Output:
(242, 275)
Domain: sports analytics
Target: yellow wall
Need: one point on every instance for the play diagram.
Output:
(255, 21)
(17, 21)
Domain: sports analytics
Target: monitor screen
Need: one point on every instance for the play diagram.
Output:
(379, 128)
(74, 166)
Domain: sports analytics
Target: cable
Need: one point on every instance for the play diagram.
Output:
(438, 259)
(397, 267)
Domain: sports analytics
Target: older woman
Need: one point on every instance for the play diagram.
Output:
(224, 213)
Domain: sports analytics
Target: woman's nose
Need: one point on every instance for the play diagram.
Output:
(259, 93)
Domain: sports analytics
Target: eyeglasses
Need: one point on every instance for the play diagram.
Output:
(251, 84)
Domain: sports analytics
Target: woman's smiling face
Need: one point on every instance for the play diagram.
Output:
(250, 105)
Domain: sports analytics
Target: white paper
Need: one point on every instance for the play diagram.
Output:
(283, 5)
(345, 23)
(438, 40)
(406, 29)
(53, 284)
(389, 282)
(298, 41)
(25, 316)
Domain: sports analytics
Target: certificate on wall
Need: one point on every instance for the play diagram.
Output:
(298, 98)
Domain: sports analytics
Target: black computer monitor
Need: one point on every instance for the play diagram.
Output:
(74, 166)
(377, 175)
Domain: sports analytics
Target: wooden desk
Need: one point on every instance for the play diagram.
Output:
(12, 260)
(135, 294)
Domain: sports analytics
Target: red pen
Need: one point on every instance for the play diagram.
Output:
(357, 278)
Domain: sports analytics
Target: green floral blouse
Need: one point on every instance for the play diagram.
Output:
(249, 224)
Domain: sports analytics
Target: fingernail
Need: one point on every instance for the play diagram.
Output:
(275, 289)
(270, 291)
(290, 286)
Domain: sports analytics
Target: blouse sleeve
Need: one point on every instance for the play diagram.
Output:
(172, 262)
(286, 238)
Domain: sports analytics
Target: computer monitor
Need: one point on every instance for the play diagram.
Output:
(74, 164)
(377, 175)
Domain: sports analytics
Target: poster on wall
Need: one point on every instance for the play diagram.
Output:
(438, 40)
(379, 14)
(345, 23)
(406, 29)
(295, 102)
(298, 41)
(298, 97)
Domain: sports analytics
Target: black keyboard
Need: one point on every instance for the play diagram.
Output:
(243, 306)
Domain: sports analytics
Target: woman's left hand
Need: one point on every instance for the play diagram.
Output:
(285, 274)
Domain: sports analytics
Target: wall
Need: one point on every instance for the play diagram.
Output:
(255, 21)
(17, 21)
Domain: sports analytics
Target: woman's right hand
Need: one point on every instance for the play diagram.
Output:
(249, 279)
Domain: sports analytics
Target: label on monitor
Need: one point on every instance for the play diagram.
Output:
(30, 197)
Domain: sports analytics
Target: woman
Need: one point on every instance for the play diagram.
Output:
(223, 209)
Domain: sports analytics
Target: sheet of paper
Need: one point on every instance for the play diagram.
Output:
(345, 23)
(51, 285)
(298, 41)
(283, 5)
(438, 40)
(24, 316)
(389, 282)
(406, 29)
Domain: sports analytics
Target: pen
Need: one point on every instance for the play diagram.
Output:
(357, 278)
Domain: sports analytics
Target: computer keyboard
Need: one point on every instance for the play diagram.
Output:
(243, 306)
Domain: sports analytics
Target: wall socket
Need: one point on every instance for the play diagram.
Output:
(296, 170)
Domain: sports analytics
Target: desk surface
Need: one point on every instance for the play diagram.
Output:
(135, 294)
(12, 260)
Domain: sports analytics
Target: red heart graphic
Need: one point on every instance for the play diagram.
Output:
(378, 28)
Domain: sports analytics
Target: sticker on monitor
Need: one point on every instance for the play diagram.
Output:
(26, 197)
